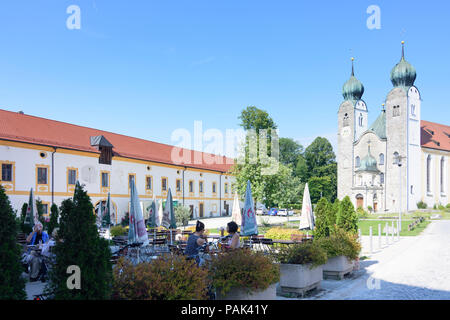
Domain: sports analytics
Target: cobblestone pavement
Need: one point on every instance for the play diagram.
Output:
(413, 268)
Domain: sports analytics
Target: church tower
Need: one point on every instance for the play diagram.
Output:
(403, 103)
(352, 122)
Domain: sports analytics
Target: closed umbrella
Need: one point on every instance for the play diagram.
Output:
(307, 217)
(160, 213)
(151, 223)
(99, 214)
(137, 232)
(236, 213)
(249, 225)
(168, 219)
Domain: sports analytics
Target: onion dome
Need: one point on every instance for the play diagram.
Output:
(368, 163)
(403, 74)
(353, 89)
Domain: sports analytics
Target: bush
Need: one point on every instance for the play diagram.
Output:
(321, 228)
(82, 246)
(125, 220)
(370, 209)
(362, 214)
(182, 215)
(53, 219)
(448, 206)
(302, 253)
(243, 268)
(341, 243)
(281, 234)
(118, 231)
(421, 205)
(166, 278)
(12, 285)
(347, 218)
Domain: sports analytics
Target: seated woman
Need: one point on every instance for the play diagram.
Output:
(195, 242)
(233, 241)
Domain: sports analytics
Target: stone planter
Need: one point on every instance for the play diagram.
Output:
(241, 294)
(337, 267)
(298, 278)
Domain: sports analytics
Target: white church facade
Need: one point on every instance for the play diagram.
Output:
(400, 159)
(50, 156)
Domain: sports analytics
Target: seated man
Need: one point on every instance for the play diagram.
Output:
(37, 237)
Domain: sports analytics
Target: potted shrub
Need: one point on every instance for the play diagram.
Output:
(242, 274)
(301, 267)
(342, 249)
(166, 278)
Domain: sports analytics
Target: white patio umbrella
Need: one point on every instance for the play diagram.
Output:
(307, 217)
(137, 231)
(236, 213)
(249, 224)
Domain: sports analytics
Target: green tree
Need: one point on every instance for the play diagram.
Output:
(347, 217)
(182, 215)
(254, 118)
(25, 228)
(332, 213)
(320, 187)
(53, 218)
(301, 169)
(290, 151)
(81, 246)
(319, 154)
(12, 285)
(321, 228)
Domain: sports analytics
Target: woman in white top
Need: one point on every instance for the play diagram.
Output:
(234, 241)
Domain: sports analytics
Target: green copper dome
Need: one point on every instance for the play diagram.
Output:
(403, 74)
(353, 89)
(368, 163)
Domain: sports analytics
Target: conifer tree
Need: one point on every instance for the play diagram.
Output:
(321, 228)
(12, 285)
(79, 244)
(53, 223)
(332, 213)
(347, 217)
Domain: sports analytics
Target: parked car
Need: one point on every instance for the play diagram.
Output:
(273, 211)
(282, 212)
(261, 212)
(291, 212)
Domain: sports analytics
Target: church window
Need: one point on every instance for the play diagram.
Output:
(358, 162)
(396, 111)
(346, 120)
(381, 159)
(360, 120)
(395, 157)
(429, 173)
(413, 109)
(382, 178)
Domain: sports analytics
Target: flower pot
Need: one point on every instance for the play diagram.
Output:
(337, 267)
(242, 294)
(298, 278)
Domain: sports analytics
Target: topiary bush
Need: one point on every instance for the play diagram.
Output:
(303, 253)
(421, 205)
(169, 277)
(118, 231)
(340, 243)
(281, 233)
(362, 214)
(321, 228)
(12, 285)
(347, 217)
(243, 268)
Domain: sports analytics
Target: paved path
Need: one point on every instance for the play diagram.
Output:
(412, 268)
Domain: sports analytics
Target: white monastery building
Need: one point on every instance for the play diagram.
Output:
(399, 160)
(50, 156)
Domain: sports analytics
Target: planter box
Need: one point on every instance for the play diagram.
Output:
(337, 267)
(241, 294)
(298, 279)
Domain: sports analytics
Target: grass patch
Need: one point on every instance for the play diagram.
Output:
(365, 225)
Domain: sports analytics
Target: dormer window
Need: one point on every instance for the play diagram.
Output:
(105, 148)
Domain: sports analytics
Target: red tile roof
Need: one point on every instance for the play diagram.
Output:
(435, 135)
(19, 127)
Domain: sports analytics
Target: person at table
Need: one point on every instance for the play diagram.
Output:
(233, 236)
(34, 260)
(195, 242)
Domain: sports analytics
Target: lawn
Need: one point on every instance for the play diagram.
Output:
(365, 225)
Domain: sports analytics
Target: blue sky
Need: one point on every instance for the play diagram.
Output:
(146, 68)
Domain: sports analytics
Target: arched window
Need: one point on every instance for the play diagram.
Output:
(396, 111)
(360, 120)
(429, 173)
(413, 109)
(396, 157)
(346, 120)
(381, 159)
(357, 162)
(382, 178)
(442, 174)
